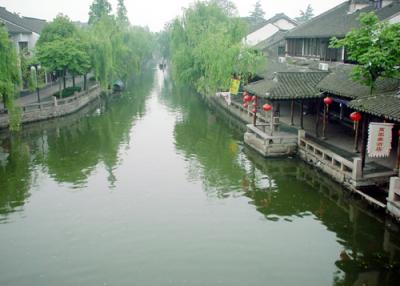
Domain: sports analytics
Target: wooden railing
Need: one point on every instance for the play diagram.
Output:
(327, 156)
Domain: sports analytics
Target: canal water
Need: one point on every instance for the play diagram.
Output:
(150, 187)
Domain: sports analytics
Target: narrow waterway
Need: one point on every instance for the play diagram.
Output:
(151, 188)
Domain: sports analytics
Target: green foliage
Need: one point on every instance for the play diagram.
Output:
(306, 15)
(98, 10)
(122, 17)
(9, 77)
(117, 52)
(60, 28)
(375, 47)
(64, 48)
(257, 15)
(69, 91)
(206, 47)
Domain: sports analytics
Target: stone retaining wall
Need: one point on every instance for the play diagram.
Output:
(55, 108)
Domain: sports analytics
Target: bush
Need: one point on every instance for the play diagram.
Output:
(69, 91)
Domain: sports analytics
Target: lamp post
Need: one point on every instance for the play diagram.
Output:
(37, 68)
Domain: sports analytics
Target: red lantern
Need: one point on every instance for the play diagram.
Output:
(254, 110)
(245, 105)
(267, 107)
(355, 116)
(245, 94)
(254, 104)
(328, 100)
(247, 98)
(253, 98)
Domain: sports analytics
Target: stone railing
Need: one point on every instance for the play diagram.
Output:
(55, 108)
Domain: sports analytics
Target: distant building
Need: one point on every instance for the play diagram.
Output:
(270, 33)
(23, 31)
(311, 40)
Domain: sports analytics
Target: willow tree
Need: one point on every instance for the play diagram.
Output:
(206, 47)
(98, 9)
(9, 78)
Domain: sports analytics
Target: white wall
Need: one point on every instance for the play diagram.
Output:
(261, 34)
(30, 38)
(284, 24)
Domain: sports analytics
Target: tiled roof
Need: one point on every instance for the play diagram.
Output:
(337, 22)
(289, 85)
(36, 25)
(339, 82)
(17, 24)
(254, 27)
(383, 105)
(274, 39)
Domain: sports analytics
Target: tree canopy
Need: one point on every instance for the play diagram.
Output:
(9, 76)
(98, 9)
(375, 47)
(306, 15)
(206, 47)
(258, 14)
(122, 13)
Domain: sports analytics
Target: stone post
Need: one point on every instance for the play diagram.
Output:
(301, 135)
(357, 169)
(55, 101)
(394, 188)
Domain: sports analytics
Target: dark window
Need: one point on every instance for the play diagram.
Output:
(23, 45)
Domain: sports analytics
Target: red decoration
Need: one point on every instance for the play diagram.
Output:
(247, 98)
(254, 110)
(253, 98)
(245, 105)
(245, 94)
(355, 116)
(267, 107)
(328, 100)
(254, 104)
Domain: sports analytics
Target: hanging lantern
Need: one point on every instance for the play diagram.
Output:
(245, 94)
(328, 100)
(254, 110)
(247, 98)
(267, 107)
(254, 104)
(355, 116)
(253, 98)
(245, 105)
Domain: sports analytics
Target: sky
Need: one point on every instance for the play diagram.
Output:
(155, 13)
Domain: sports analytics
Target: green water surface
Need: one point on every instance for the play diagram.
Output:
(152, 188)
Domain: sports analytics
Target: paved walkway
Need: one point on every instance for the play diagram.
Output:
(45, 93)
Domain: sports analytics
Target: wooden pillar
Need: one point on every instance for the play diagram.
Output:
(318, 107)
(292, 113)
(272, 119)
(364, 140)
(356, 135)
(398, 152)
(255, 113)
(324, 123)
(301, 114)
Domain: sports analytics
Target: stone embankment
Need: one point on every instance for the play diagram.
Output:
(55, 108)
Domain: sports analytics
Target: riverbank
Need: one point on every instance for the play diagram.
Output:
(343, 170)
(55, 108)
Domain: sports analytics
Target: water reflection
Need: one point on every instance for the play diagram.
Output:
(70, 148)
(286, 191)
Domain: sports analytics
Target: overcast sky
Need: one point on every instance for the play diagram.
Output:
(154, 13)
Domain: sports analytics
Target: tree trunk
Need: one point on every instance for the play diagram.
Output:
(85, 82)
(73, 80)
(64, 78)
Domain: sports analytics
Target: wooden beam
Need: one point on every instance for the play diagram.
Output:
(292, 113)
(318, 107)
(301, 114)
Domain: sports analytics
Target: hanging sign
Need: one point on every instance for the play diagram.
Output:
(379, 139)
(235, 84)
